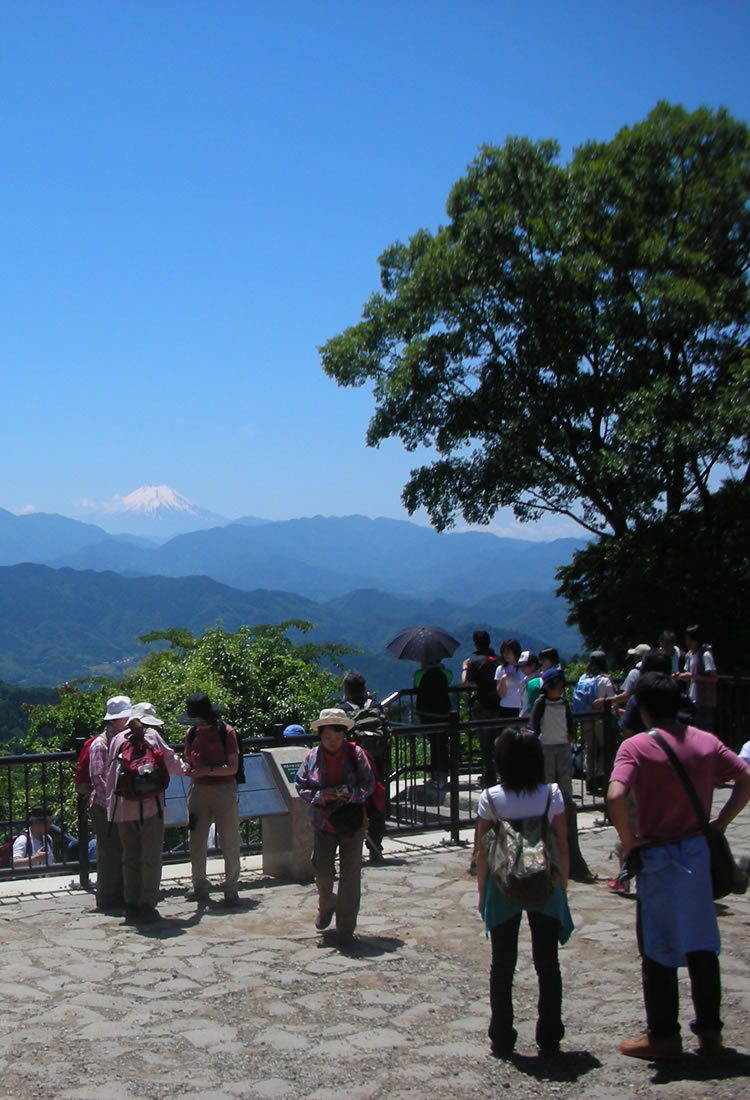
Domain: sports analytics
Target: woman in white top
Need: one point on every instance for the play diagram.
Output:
(522, 793)
(509, 679)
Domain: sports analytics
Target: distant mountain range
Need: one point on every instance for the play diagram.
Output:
(73, 597)
(156, 511)
(57, 625)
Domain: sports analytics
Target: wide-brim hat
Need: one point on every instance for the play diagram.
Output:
(332, 716)
(119, 706)
(199, 710)
(146, 714)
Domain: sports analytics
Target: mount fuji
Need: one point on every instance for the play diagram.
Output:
(154, 511)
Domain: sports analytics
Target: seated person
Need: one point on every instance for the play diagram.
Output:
(33, 847)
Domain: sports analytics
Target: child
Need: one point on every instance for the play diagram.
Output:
(552, 722)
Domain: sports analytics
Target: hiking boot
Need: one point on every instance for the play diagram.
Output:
(231, 899)
(709, 1042)
(652, 1050)
(324, 919)
(148, 914)
(201, 896)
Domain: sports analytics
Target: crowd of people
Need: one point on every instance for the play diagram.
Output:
(659, 795)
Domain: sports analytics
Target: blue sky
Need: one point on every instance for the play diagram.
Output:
(194, 194)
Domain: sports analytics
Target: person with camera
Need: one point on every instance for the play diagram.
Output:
(336, 779)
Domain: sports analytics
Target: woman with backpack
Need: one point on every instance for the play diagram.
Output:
(518, 804)
(139, 764)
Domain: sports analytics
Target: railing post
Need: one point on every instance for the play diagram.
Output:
(454, 746)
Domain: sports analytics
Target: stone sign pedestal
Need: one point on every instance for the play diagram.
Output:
(287, 838)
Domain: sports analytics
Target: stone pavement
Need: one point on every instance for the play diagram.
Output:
(215, 1003)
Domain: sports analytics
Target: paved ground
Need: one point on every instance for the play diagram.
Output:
(254, 1003)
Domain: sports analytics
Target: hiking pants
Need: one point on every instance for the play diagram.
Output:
(141, 860)
(346, 903)
(215, 802)
(504, 938)
(108, 860)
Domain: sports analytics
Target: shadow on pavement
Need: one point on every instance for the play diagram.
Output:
(369, 947)
(568, 1065)
(693, 1067)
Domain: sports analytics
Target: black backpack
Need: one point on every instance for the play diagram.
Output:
(482, 669)
(239, 775)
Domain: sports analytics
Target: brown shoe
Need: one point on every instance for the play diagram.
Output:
(324, 919)
(652, 1050)
(709, 1042)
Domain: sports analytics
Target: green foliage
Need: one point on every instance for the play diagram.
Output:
(667, 574)
(256, 673)
(14, 719)
(77, 714)
(573, 340)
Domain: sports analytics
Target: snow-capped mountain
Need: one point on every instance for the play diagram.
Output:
(156, 511)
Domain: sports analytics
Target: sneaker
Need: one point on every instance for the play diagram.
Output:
(324, 919)
(617, 886)
(652, 1050)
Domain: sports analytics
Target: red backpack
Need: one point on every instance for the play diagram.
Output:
(6, 848)
(141, 771)
(82, 770)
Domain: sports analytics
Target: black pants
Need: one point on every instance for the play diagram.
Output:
(661, 995)
(376, 828)
(487, 738)
(504, 937)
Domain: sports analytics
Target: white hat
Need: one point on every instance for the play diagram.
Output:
(119, 706)
(332, 716)
(639, 650)
(146, 714)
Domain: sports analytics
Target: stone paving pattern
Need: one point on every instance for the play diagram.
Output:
(215, 1003)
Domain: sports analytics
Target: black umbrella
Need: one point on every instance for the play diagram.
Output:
(428, 644)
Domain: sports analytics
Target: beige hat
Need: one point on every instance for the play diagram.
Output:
(332, 716)
(639, 650)
(146, 714)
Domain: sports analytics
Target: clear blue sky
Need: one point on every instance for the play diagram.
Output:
(194, 195)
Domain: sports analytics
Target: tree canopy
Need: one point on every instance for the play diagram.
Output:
(572, 341)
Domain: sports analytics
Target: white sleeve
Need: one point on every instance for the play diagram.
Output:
(605, 689)
(22, 846)
(483, 808)
(708, 662)
(557, 802)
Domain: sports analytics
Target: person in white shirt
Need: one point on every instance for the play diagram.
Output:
(33, 847)
(700, 673)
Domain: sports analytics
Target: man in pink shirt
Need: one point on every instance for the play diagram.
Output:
(139, 817)
(676, 917)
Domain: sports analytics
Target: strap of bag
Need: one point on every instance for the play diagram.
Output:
(676, 763)
(545, 814)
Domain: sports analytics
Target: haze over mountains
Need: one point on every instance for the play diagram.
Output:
(84, 594)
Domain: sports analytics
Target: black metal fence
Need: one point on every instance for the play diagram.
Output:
(415, 800)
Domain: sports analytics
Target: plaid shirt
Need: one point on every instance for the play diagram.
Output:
(98, 768)
(311, 781)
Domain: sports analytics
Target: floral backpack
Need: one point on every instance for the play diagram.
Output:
(522, 858)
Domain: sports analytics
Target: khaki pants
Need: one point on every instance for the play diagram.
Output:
(141, 860)
(109, 893)
(215, 802)
(346, 903)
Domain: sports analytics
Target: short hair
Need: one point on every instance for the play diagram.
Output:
(694, 632)
(513, 645)
(481, 640)
(353, 685)
(597, 663)
(656, 661)
(550, 654)
(659, 695)
(519, 760)
(668, 637)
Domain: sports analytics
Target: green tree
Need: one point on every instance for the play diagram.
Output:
(571, 342)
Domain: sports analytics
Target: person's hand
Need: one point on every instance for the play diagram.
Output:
(40, 856)
(718, 824)
(330, 795)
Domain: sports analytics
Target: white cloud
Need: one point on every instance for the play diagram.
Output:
(26, 510)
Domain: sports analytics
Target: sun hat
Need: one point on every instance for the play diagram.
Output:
(332, 716)
(199, 710)
(639, 650)
(146, 714)
(118, 706)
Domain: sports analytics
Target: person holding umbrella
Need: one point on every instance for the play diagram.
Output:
(428, 645)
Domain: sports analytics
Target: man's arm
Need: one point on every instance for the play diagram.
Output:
(736, 802)
(618, 813)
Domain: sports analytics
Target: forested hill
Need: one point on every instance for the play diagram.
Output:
(61, 624)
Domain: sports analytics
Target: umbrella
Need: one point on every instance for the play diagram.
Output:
(428, 644)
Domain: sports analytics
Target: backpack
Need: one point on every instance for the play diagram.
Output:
(239, 775)
(370, 730)
(481, 674)
(6, 848)
(141, 771)
(584, 693)
(82, 770)
(522, 858)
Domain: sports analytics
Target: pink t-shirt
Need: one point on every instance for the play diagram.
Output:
(665, 813)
